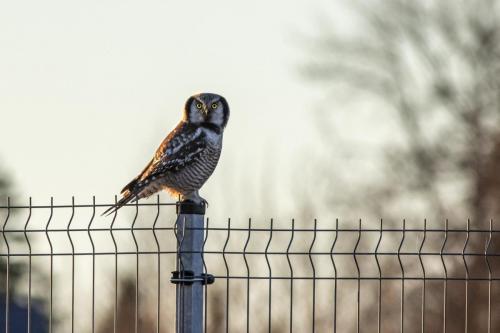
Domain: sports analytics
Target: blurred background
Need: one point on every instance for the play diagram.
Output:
(359, 109)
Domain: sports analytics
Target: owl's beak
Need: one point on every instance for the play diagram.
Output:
(205, 110)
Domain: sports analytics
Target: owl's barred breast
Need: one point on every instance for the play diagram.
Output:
(191, 178)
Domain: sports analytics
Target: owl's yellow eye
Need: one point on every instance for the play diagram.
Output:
(214, 105)
(198, 105)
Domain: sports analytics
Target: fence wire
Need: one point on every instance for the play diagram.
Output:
(67, 269)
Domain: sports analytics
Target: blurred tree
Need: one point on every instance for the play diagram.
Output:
(125, 321)
(15, 269)
(436, 65)
(17, 305)
(125, 312)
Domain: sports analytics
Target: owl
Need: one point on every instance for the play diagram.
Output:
(187, 156)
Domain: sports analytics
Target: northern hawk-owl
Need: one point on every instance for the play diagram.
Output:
(187, 156)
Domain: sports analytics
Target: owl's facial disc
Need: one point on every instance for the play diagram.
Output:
(201, 106)
(194, 112)
(207, 108)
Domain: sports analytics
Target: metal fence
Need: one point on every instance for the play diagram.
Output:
(157, 267)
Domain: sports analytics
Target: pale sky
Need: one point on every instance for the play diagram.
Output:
(89, 89)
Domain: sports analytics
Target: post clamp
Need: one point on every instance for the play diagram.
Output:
(190, 207)
(188, 278)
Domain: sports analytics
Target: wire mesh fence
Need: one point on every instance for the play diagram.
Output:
(64, 268)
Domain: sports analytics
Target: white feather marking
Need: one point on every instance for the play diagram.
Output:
(217, 117)
(188, 139)
(212, 136)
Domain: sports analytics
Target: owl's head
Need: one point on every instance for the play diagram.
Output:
(207, 108)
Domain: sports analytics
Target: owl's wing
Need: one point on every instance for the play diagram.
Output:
(179, 153)
(134, 181)
(179, 149)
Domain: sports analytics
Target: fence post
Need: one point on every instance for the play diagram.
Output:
(189, 277)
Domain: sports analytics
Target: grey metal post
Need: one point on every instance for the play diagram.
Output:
(189, 276)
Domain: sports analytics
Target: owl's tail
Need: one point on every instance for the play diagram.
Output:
(128, 196)
(131, 192)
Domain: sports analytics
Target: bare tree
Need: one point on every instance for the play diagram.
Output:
(435, 65)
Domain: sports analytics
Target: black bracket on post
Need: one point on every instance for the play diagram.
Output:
(190, 207)
(188, 277)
